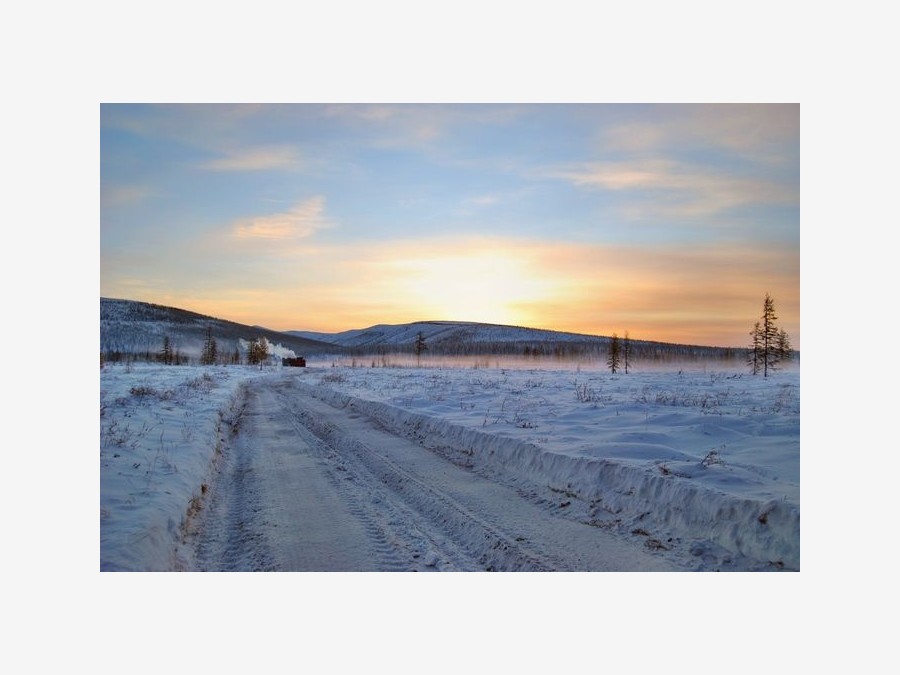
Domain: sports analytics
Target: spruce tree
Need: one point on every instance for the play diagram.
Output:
(420, 347)
(626, 352)
(210, 350)
(769, 344)
(258, 352)
(783, 346)
(769, 335)
(754, 353)
(166, 354)
(615, 354)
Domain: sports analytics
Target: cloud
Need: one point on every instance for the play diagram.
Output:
(484, 200)
(680, 189)
(765, 133)
(409, 125)
(398, 125)
(256, 159)
(300, 222)
(112, 196)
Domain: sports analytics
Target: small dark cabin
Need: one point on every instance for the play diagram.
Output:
(298, 362)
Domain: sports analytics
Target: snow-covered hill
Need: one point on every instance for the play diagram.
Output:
(444, 333)
(130, 327)
(465, 338)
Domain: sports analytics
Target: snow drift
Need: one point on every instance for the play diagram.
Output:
(608, 493)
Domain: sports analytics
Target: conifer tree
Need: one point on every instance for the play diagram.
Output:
(166, 355)
(210, 350)
(258, 352)
(754, 353)
(420, 347)
(626, 352)
(783, 346)
(769, 344)
(769, 335)
(615, 354)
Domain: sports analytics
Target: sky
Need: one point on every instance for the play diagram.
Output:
(668, 221)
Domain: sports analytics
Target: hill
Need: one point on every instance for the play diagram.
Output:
(457, 338)
(134, 328)
(442, 333)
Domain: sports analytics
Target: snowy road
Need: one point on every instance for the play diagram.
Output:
(306, 486)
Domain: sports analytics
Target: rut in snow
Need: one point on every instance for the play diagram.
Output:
(307, 486)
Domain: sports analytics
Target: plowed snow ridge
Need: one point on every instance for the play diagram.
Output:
(623, 496)
(318, 480)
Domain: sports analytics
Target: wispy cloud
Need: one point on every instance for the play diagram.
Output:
(399, 125)
(419, 125)
(256, 159)
(112, 196)
(299, 222)
(681, 189)
(484, 200)
(765, 133)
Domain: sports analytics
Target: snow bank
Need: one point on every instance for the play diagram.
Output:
(161, 428)
(717, 510)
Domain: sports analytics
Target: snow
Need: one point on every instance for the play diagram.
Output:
(523, 622)
(707, 457)
(437, 331)
(159, 430)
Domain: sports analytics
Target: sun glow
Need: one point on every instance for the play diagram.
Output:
(486, 286)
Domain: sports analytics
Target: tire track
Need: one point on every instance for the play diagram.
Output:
(438, 529)
(230, 531)
(398, 540)
(308, 486)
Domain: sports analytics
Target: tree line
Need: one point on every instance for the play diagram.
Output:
(597, 348)
(257, 352)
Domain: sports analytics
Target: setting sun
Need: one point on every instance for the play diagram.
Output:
(487, 286)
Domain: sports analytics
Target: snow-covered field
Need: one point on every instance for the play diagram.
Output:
(701, 466)
(160, 427)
